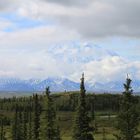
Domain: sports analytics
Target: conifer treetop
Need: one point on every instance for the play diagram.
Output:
(48, 91)
(82, 86)
(127, 85)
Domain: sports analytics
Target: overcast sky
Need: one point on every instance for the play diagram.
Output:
(63, 38)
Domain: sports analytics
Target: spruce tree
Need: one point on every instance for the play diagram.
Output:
(92, 100)
(20, 130)
(128, 117)
(37, 111)
(30, 127)
(17, 129)
(25, 124)
(15, 124)
(82, 129)
(51, 128)
(2, 132)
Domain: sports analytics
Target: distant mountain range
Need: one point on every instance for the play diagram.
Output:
(60, 84)
(56, 84)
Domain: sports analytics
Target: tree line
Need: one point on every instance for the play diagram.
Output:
(31, 113)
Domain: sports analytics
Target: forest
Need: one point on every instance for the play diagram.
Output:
(76, 115)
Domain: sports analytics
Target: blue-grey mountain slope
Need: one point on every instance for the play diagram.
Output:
(60, 84)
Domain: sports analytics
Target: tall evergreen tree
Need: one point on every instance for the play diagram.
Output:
(51, 128)
(37, 111)
(128, 117)
(82, 129)
(30, 127)
(15, 124)
(20, 130)
(17, 129)
(2, 132)
(25, 124)
(92, 99)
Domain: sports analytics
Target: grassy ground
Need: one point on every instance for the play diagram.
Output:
(103, 120)
(106, 122)
(66, 120)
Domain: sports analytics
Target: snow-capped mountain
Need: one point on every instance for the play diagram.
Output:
(60, 84)
(56, 84)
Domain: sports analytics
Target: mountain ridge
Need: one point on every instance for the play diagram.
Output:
(60, 84)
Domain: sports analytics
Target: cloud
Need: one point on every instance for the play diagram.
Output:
(33, 50)
(99, 18)
(70, 2)
(4, 4)
(4, 24)
(94, 19)
(37, 37)
(7, 5)
(111, 69)
(67, 60)
(106, 19)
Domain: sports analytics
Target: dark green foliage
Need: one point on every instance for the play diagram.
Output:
(37, 112)
(20, 130)
(58, 137)
(104, 134)
(19, 112)
(30, 127)
(17, 129)
(51, 128)
(82, 130)
(15, 125)
(92, 102)
(25, 124)
(128, 118)
(2, 132)
(97, 102)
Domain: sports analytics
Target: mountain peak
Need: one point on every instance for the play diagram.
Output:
(59, 84)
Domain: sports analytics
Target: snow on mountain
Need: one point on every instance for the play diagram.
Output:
(56, 84)
(12, 84)
(60, 84)
(72, 52)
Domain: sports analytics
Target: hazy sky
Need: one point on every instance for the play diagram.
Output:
(48, 38)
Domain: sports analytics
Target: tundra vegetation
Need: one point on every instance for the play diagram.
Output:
(76, 115)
